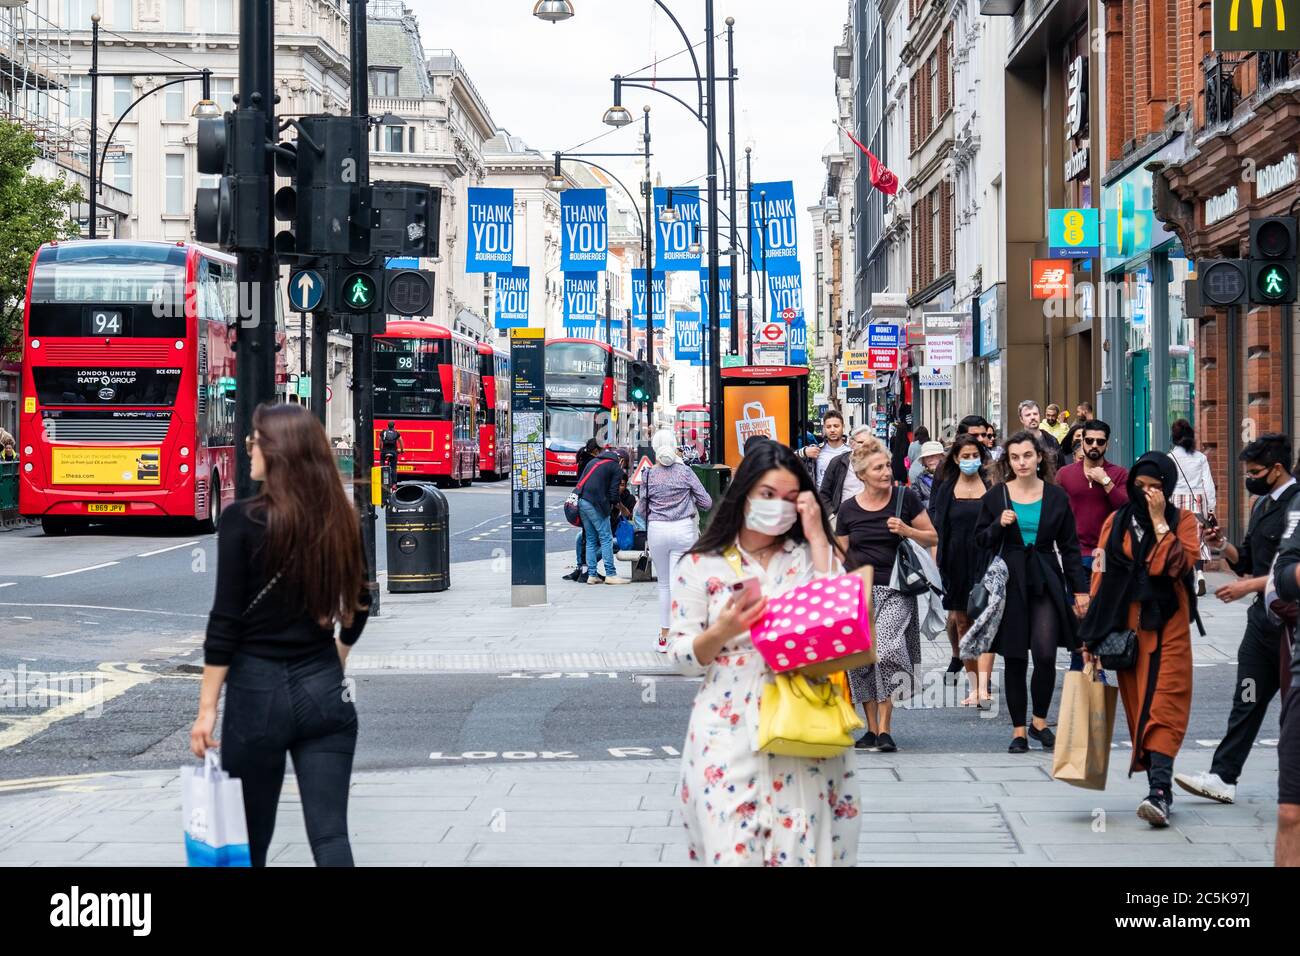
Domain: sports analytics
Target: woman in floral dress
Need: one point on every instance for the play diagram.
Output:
(744, 807)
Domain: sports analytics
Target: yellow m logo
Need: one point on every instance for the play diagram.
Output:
(1256, 14)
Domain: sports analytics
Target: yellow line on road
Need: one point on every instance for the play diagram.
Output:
(113, 680)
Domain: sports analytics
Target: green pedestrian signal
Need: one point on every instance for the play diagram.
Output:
(1274, 283)
(359, 292)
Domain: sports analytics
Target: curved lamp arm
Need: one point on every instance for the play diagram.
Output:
(722, 161)
(690, 48)
(574, 159)
(203, 75)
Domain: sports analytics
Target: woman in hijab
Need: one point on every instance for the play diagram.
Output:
(671, 501)
(1142, 582)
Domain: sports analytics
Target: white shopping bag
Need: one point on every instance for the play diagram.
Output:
(752, 425)
(212, 802)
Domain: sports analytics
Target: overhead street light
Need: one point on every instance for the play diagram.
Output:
(617, 115)
(668, 213)
(553, 11)
(206, 109)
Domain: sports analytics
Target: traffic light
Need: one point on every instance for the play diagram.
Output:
(408, 292)
(1224, 281)
(358, 286)
(641, 382)
(324, 200)
(1273, 260)
(405, 219)
(232, 213)
(286, 198)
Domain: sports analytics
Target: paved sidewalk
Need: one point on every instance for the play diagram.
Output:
(925, 810)
(472, 627)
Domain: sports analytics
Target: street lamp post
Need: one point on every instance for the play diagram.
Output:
(749, 264)
(731, 181)
(205, 108)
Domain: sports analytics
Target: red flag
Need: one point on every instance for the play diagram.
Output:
(881, 176)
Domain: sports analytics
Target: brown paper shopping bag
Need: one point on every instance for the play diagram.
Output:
(1084, 730)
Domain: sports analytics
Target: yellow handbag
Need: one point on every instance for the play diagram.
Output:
(798, 718)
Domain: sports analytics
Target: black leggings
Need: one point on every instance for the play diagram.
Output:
(297, 707)
(1043, 628)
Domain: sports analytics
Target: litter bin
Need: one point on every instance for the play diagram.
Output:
(419, 540)
(715, 479)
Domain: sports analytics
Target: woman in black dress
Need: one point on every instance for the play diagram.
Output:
(1027, 518)
(960, 484)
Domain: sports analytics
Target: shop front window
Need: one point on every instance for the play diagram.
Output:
(1182, 345)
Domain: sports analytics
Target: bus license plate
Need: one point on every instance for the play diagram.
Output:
(106, 509)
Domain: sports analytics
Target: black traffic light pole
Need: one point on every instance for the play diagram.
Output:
(363, 371)
(256, 268)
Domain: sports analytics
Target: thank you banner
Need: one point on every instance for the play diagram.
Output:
(581, 303)
(785, 295)
(724, 296)
(511, 299)
(658, 303)
(673, 252)
(689, 338)
(584, 230)
(490, 244)
(799, 342)
(773, 226)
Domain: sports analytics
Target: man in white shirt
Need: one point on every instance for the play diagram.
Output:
(820, 456)
(839, 484)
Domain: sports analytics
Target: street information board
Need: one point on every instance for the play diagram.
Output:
(528, 467)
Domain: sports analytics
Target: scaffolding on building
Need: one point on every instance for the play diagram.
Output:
(35, 62)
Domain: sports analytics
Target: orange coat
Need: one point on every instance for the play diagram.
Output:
(1159, 685)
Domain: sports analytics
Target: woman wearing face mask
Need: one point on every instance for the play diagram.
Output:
(871, 527)
(1147, 585)
(1028, 521)
(744, 807)
(671, 500)
(954, 508)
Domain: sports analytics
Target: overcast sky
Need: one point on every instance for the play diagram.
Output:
(549, 83)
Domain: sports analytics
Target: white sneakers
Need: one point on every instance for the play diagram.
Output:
(614, 579)
(1208, 785)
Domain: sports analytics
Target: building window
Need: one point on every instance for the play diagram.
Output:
(383, 81)
(174, 15)
(174, 204)
(120, 173)
(218, 16)
(79, 97)
(77, 13)
(174, 102)
(393, 137)
(124, 14)
(223, 91)
(937, 238)
(123, 95)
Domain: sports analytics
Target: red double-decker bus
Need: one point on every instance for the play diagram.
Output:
(693, 431)
(128, 383)
(494, 412)
(586, 397)
(427, 384)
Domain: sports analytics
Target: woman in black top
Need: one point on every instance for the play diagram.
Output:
(955, 504)
(869, 528)
(290, 570)
(1028, 519)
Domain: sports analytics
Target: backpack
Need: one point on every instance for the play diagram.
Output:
(571, 513)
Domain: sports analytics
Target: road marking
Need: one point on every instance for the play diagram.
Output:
(174, 547)
(34, 783)
(112, 683)
(97, 607)
(93, 567)
(8, 584)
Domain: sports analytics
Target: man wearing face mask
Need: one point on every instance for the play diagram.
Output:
(1259, 676)
(671, 501)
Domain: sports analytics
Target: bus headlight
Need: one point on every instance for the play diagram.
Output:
(36, 343)
(185, 452)
(27, 450)
(180, 344)
(185, 469)
(27, 467)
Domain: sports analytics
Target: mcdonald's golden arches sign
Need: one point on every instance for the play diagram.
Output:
(1243, 25)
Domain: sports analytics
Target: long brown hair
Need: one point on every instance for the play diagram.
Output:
(1046, 462)
(312, 534)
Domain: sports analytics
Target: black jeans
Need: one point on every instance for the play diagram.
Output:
(297, 707)
(1258, 681)
(1043, 628)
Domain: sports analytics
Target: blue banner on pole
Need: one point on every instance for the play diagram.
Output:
(581, 303)
(785, 297)
(675, 238)
(724, 296)
(584, 230)
(781, 239)
(490, 239)
(688, 338)
(511, 299)
(659, 303)
(798, 342)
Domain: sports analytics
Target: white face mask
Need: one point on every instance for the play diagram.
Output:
(666, 457)
(774, 516)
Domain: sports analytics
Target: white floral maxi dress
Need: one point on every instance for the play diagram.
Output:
(743, 807)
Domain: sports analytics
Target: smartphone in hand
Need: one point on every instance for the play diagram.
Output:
(746, 592)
